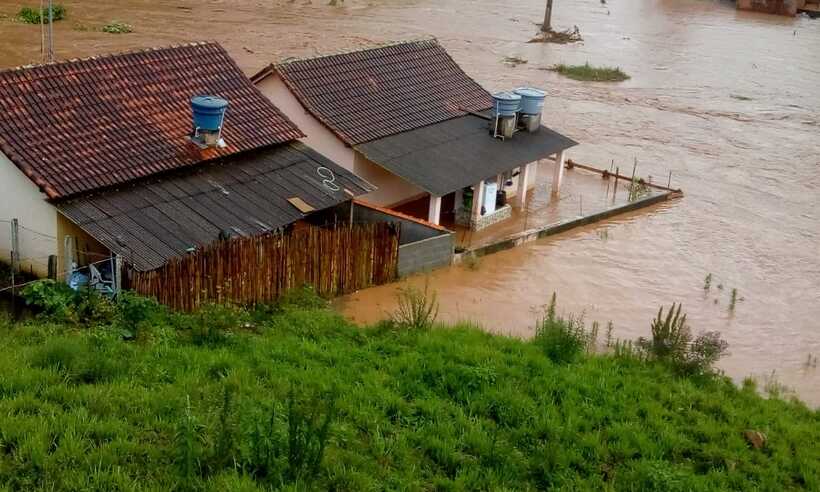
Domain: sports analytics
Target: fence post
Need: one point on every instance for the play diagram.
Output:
(117, 274)
(15, 254)
(68, 253)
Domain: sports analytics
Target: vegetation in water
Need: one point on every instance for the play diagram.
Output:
(33, 15)
(417, 309)
(293, 397)
(117, 28)
(587, 72)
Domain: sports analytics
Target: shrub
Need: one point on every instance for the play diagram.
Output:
(33, 15)
(214, 323)
(417, 309)
(61, 303)
(672, 342)
(134, 310)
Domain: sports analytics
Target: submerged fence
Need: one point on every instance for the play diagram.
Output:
(260, 269)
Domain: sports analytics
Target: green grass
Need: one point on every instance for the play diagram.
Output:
(586, 72)
(33, 15)
(294, 397)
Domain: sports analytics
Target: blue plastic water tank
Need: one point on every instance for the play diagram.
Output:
(208, 112)
(532, 100)
(506, 103)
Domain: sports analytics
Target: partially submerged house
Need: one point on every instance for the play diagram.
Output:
(408, 119)
(100, 156)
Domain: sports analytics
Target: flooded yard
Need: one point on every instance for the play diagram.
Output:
(726, 100)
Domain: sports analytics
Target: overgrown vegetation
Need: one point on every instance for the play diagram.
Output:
(587, 72)
(293, 397)
(117, 28)
(417, 309)
(33, 15)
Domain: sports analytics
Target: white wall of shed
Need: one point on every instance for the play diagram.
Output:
(22, 199)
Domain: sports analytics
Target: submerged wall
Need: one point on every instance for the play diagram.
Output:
(778, 7)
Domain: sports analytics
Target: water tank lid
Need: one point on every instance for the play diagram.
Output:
(530, 92)
(209, 102)
(506, 96)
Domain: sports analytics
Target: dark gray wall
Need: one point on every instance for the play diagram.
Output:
(425, 255)
(410, 231)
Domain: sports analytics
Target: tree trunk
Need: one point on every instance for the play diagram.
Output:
(547, 25)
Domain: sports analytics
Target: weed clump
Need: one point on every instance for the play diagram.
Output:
(32, 15)
(417, 309)
(117, 28)
(588, 73)
(563, 340)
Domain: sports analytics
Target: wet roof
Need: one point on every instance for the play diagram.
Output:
(154, 220)
(368, 94)
(81, 125)
(457, 153)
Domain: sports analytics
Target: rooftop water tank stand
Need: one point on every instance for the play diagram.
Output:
(208, 114)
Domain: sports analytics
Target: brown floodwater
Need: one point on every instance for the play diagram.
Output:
(728, 101)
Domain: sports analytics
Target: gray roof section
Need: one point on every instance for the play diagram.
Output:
(155, 220)
(456, 153)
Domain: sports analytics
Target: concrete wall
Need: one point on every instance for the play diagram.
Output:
(426, 255)
(778, 7)
(21, 199)
(411, 231)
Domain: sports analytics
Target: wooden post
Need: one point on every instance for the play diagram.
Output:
(15, 254)
(547, 25)
(68, 257)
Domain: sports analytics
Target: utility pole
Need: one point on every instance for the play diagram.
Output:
(547, 25)
(50, 31)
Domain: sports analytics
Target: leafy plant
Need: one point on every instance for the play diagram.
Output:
(134, 310)
(33, 15)
(417, 309)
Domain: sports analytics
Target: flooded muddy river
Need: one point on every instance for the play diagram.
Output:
(728, 101)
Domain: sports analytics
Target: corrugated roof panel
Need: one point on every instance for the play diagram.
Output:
(153, 220)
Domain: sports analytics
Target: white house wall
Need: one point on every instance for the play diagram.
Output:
(21, 199)
(318, 136)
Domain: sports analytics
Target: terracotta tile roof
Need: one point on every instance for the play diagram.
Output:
(80, 125)
(373, 93)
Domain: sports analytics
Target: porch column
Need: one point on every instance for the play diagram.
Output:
(558, 175)
(523, 179)
(434, 213)
(478, 200)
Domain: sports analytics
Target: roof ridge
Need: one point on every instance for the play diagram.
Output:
(106, 56)
(376, 46)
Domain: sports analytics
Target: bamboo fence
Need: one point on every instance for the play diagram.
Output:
(259, 269)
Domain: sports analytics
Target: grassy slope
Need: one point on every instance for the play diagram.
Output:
(449, 409)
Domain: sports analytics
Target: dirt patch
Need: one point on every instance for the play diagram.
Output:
(559, 37)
